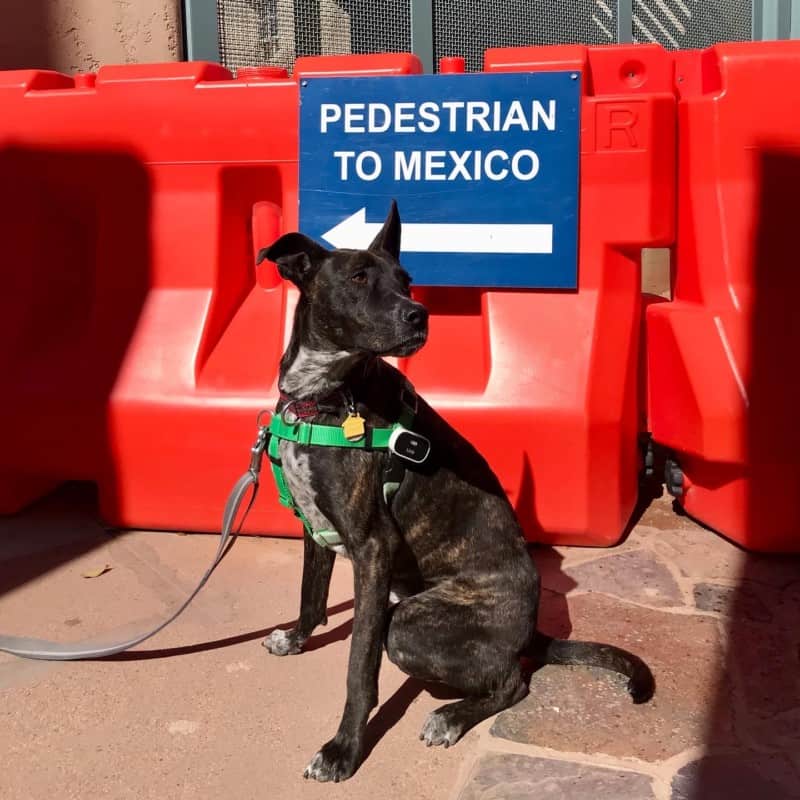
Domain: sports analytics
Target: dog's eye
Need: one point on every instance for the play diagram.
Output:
(359, 277)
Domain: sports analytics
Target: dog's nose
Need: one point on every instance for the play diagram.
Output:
(416, 315)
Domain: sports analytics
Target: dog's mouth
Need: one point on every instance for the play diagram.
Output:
(408, 346)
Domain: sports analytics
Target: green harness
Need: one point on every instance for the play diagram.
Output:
(312, 434)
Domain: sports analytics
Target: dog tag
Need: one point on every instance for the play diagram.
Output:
(353, 427)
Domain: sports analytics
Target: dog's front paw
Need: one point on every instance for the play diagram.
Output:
(335, 762)
(283, 643)
(439, 729)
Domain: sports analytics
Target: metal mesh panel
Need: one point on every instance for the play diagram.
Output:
(254, 32)
(692, 23)
(464, 28)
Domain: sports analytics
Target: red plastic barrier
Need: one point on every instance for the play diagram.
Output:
(145, 342)
(142, 347)
(724, 389)
(568, 367)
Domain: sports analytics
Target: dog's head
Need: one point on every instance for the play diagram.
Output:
(358, 300)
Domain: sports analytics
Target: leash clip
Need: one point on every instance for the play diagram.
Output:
(258, 448)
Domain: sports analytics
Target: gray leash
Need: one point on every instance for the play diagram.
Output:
(45, 650)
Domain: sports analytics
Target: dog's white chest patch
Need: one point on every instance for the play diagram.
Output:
(312, 370)
(297, 473)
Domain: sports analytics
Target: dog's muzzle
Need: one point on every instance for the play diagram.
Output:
(415, 316)
(412, 328)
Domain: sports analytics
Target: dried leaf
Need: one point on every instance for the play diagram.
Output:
(97, 572)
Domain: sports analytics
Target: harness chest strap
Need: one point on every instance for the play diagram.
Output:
(316, 435)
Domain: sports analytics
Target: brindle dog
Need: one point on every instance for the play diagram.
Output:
(443, 579)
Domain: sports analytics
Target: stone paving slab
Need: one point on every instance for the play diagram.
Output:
(732, 778)
(515, 777)
(576, 709)
(733, 601)
(637, 576)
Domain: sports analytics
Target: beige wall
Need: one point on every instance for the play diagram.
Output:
(80, 35)
(656, 272)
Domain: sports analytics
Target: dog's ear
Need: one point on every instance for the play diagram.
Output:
(388, 238)
(298, 257)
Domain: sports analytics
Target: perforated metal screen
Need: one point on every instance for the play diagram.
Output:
(468, 28)
(691, 23)
(253, 32)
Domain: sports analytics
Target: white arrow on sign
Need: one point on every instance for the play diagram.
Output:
(437, 237)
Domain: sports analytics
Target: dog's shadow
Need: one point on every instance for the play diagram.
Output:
(553, 620)
(337, 634)
(394, 709)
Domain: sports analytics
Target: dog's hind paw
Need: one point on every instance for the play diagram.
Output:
(283, 643)
(439, 730)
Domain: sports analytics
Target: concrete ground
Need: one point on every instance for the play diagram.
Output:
(202, 711)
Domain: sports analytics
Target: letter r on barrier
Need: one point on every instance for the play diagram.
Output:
(616, 126)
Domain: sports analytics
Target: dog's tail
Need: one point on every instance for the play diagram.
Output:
(641, 683)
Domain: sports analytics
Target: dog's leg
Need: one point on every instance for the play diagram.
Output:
(340, 757)
(317, 569)
(448, 723)
(454, 634)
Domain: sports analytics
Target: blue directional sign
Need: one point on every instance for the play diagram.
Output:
(484, 169)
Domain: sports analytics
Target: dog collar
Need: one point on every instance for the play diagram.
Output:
(308, 409)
